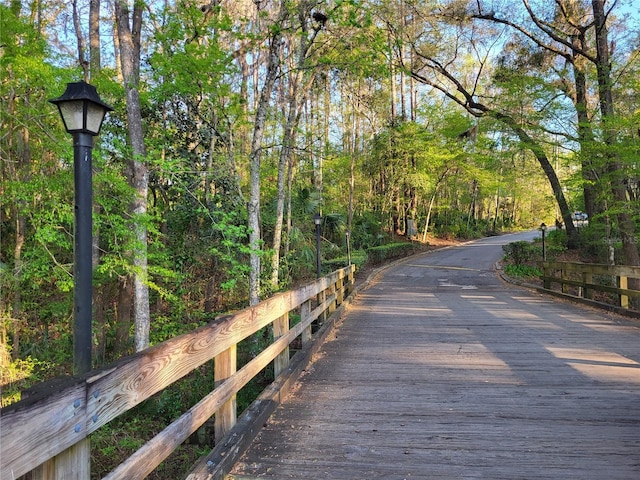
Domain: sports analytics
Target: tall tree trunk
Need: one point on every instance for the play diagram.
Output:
(80, 40)
(297, 97)
(626, 224)
(288, 140)
(392, 77)
(23, 157)
(428, 219)
(354, 145)
(289, 223)
(273, 65)
(585, 132)
(550, 173)
(326, 147)
(95, 63)
(129, 40)
(123, 309)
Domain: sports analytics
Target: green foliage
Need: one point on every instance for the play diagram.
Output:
(526, 271)
(166, 327)
(556, 241)
(174, 400)
(522, 252)
(20, 374)
(247, 350)
(360, 45)
(367, 231)
(358, 258)
(527, 254)
(389, 251)
(232, 250)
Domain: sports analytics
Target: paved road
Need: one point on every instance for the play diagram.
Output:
(468, 267)
(440, 370)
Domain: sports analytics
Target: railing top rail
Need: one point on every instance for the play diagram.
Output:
(62, 412)
(597, 268)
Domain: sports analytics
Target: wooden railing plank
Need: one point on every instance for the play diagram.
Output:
(221, 459)
(147, 458)
(144, 375)
(587, 272)
(39, 428)
(596, 268)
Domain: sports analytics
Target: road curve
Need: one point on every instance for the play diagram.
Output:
(440, 370)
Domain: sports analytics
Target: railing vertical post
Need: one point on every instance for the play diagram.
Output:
(623, 283)
(587, 278)
(564, 273)
(305, 313)
(349, 286)
(546, 270)
(332, 293)
(46, 471)
(73, 464)
(340, 291)
(280, 328)
(321, 297)
(224, 365)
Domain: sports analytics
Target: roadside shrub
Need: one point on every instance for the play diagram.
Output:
(530, 253)
(389, 251)
(522, 252)
(358, 258)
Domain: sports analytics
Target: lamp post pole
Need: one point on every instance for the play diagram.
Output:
(543, 228)
(82, 112)
(82, 260)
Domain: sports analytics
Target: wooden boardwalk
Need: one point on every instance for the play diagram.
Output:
(439, 370)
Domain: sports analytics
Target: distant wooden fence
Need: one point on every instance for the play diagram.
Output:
(46, 434)
(585, 279)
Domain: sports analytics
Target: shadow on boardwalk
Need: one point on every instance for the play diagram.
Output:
(439, 370)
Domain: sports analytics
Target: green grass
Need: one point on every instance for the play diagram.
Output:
(522, 271)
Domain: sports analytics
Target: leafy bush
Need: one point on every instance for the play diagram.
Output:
(389, 251)
(522, 252)
(367, 230)
(530, 253)
(358, 259)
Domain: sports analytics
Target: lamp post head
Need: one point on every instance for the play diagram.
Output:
(543, 227)
(81, 108)
(317, 219)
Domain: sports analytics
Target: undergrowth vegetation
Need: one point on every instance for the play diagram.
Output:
(522, 259)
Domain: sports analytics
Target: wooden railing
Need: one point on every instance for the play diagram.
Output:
(584, 280)
(47, 433)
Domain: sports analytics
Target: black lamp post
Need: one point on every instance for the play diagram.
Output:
(317, 218)
(543, 229)
(82, 112)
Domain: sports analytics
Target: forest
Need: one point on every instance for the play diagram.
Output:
(236, 122)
